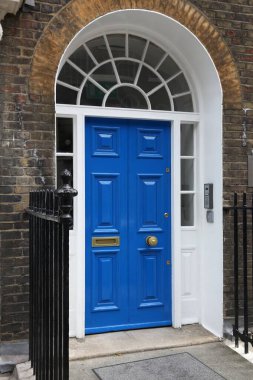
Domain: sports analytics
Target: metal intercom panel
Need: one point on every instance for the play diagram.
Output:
(208, 196)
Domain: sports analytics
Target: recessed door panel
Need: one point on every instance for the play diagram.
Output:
(128, 247)
(150, 281)
(105, 141)
(150, 143)
(105, 202)
(150, 207)
(105, 276)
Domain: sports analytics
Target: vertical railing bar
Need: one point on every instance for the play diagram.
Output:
(66, 299)
(47, 298)
(236, 301)
(31, 281)
(34, 282)
(252, 261)
(39, 294)
(56, 326)
(245, 275)
(43, 287)
(65, 194)
(37, 287)
(36, 299)
(60, 298)
(51, 288)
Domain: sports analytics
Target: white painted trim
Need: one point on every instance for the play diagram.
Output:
(176, 224)
(79, 114)
(205, 85)
(127, 85)
(184, 117)
(80, 211)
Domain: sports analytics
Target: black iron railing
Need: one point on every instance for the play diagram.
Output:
(242, 247)
(49, 221)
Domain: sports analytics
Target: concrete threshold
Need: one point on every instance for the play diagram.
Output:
(115, 344)
(125, 342)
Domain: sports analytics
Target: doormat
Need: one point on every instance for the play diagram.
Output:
(181, 366)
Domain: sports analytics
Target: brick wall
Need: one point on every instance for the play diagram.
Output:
(27, 139)
(234, 19)
(27, 158)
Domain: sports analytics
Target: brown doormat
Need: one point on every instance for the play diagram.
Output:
(181, 366)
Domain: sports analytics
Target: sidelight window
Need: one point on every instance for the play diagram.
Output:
(188, 185)
(64, 146)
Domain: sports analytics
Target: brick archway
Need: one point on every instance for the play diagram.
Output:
(78, 13)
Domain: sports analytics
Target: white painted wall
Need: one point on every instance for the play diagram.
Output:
(197, 251)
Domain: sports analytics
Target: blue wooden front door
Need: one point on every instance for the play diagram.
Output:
(128, 281)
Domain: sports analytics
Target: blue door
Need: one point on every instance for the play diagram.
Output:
(128, 224)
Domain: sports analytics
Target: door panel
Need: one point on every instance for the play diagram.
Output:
(105, 202)
(105, 294)
(149, 199)
(149, 190)
(127, 195)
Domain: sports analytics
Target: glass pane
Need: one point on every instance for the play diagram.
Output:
(168, 68)
(160, 100)
(91, 95)
(117, 44)
(64, 95)
(69, 75)
(105, 76)
(127, 70)
(126, 97)
(187, 175)
(64, 135)
(82, 59)
(154, 55)
(183, 103)
(148, 80)
(136, 46)
(187, 142)
(98, 48)
(187, 209)
(178, 85)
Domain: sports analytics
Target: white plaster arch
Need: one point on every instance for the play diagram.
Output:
(205, 239)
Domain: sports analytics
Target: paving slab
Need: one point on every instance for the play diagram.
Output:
(98, 345)
(217, 356)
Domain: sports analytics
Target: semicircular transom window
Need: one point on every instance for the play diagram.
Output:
(124, 71)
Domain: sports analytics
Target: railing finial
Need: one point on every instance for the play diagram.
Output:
(66, 193)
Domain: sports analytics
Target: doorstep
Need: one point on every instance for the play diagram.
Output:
(125, 342)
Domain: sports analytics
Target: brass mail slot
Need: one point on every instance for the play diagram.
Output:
(104, 241)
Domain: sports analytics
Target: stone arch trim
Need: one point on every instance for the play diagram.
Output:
(78, 13)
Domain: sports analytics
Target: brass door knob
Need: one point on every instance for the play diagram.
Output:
(152, 241)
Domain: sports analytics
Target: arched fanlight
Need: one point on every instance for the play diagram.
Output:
(123, 71)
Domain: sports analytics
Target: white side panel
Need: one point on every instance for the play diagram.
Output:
(189, 285)
(72, 283)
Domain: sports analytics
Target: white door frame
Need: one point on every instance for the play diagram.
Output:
(77, 236)
(200, 246)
